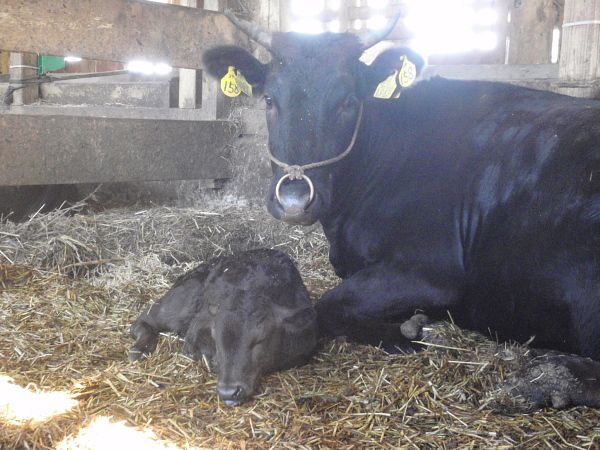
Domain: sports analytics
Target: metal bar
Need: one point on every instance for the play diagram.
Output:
(68, 149)
(114, 30)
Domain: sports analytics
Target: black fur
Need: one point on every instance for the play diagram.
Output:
(247, 314)
(476, 198)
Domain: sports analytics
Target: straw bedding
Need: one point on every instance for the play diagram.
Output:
(70, 285)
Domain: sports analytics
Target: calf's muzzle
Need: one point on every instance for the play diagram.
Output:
(232, 395)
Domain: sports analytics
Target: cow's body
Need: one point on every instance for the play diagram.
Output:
(477, 198)
(247, 314)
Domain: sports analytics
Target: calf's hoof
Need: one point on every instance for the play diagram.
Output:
(136, 355)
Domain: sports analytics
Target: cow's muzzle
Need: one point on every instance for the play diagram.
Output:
(293, 200)
(295, 205)
(293, 208)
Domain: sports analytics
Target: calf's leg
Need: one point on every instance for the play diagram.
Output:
(173, 313)
(146, 338)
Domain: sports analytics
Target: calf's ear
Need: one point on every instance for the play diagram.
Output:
(392, 71)
(218, 60)
(300, 333)
(300, 320)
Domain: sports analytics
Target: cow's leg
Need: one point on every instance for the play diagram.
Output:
(584, 300)
(370, 306)
(558, 380)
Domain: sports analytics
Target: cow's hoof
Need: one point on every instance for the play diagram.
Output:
(413, 327)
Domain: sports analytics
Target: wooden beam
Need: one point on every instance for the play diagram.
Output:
(4, 56)
(494, 72)
(580, 49)
(188, 97)
(23, 66)
(212, 99)
(536, 76)
(64, 149)
(114, 30)
(530, 31)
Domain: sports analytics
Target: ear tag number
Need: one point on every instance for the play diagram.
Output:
(243, 85)
(234, 83)
(408, 73)
(386, 88)
(229, 84)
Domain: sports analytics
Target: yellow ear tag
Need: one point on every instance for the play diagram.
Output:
(408, 73)
(229, 84)
(386, 88)
(243, 85)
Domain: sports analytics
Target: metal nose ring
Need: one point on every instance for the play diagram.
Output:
(311, 187)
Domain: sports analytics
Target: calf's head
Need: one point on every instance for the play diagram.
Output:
(247, 337)
(314, 88)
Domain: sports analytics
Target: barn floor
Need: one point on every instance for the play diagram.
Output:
(72, 283)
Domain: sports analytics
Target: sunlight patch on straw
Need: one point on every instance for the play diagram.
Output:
(19, 405)
(102, 434)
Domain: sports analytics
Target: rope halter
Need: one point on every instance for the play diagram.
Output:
(296, 172)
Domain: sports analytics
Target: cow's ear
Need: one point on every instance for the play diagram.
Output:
(392, 71)
(218, 60)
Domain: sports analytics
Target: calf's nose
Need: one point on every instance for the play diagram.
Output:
(231, 395)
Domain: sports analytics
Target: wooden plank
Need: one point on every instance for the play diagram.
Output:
(494, 72)
(114, 30)
(537, 76)
(212, 100)
(115, 112)
(23, 66)
(4, 63)
(64, 149)
(580, 49)
(188, 97)
(145, 94)
(530, 31)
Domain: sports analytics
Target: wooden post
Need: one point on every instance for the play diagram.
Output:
(23, 66)
(187, 77)
(269, 17)
(580, 50)
(210, 87)
(530, 31)
(4, 62)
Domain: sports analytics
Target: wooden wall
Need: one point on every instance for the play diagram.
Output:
(4, 56)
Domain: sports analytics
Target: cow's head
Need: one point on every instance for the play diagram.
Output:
(313, 88)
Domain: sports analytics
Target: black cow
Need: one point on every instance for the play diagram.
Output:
(477, 198)
(247, 314)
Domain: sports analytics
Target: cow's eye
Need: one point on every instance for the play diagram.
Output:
(349, 103)
(268, 102)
